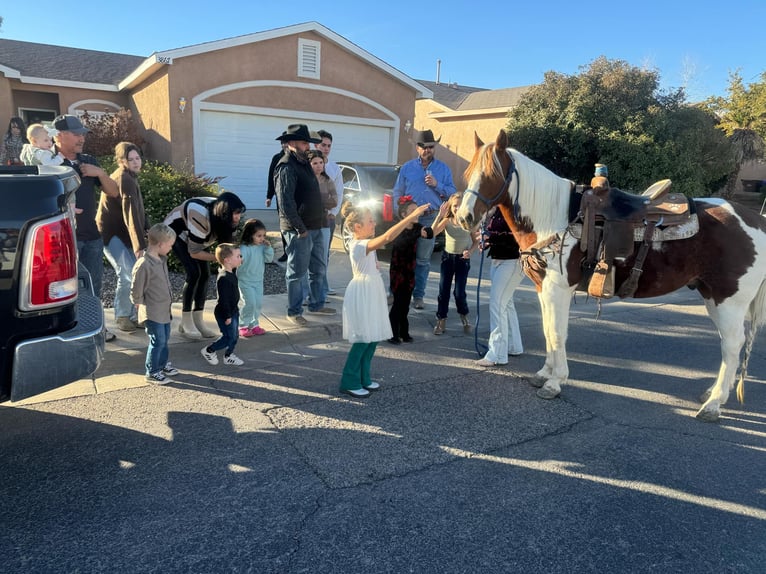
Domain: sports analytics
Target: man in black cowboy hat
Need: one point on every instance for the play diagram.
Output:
(301, 215)
(427, 180)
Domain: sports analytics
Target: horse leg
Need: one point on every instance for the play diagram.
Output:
(729, 318)
(555, 299)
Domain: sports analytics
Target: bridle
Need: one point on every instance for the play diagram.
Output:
(503, 188)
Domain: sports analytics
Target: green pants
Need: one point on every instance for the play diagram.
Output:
(356, 371)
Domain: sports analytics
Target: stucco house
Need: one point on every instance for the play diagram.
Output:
(217, 107)
(454, 112)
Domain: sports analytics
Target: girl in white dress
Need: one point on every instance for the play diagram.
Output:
(365, 310)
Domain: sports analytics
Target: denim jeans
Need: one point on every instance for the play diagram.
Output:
(424, 250)
(157, 352)
(453, 266)
(305, 254)
(229, 334)
(122, 259)
(91, 254)
(327, 234)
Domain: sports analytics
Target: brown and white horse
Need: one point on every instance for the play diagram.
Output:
(725, 261)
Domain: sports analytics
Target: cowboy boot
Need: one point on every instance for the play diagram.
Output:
(199, 322)
(466, 323)
(441, 326)
(187, 328)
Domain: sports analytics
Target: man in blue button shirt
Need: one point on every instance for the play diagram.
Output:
(427, 180)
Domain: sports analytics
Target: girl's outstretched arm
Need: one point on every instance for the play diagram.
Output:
(394, 231)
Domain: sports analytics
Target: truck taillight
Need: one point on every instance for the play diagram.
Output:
(50, 274)
(388, 207)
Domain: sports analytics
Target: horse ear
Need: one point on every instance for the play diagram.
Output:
(502, 140)
(477, 140)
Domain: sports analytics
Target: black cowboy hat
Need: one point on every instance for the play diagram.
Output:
(298, 132)
(426, 137)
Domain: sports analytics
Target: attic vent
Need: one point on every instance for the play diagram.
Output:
(309, 58)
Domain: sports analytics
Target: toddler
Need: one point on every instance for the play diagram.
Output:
(39, 150)
(151, 293)
(256, 252)
(227, 309)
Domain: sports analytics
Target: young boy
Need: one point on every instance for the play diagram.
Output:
(150, 291)
(39, 150)
(227, 309)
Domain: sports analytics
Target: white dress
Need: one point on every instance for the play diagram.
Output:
(365, 310)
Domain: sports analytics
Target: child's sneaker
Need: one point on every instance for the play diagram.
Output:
(157, 378)
(245, 332)
(233, 360)
(169, 370)
(210, 357)
(257, 330)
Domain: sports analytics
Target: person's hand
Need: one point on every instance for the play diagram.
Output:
(268, 202)
(228, 321)
(467, 254)
(444, 210)
(89, 170)
(303, 235)
(430, 180)
(139, 253)
(418, 211)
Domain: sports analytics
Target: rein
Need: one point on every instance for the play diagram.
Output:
(504, 188)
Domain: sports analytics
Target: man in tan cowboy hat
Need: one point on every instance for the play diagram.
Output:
(301, 214)
(427, 180)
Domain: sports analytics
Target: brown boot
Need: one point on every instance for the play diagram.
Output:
(441, 326)
(466, 323)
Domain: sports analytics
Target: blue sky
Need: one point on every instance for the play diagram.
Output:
(486, 44)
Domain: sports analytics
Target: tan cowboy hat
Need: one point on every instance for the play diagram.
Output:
(426, 137)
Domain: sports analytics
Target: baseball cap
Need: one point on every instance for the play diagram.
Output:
(67, 123)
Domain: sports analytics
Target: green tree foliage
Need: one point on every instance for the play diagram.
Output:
(743, 108)
(614, 113)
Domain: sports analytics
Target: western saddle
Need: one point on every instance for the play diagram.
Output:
(611, 223)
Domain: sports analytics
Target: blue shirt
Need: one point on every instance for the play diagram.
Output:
(412, 181)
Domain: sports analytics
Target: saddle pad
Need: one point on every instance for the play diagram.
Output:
(683, 231)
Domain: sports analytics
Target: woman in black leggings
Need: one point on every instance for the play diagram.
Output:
(199, 223)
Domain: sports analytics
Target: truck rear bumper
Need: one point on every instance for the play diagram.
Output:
(46, 363)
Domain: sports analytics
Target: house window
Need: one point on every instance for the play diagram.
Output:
(309, 56)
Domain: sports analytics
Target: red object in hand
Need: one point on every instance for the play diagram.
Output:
(388, 207)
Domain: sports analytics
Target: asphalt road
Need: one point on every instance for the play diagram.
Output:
(449, 468)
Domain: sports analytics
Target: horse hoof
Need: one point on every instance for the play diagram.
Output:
(546, 393)
(707, 416)
(705, 396)
(537, 381)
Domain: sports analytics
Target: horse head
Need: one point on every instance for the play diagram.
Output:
(488, 177)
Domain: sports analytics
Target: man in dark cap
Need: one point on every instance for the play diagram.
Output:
(70, 140)
(301, 215)
(427, 180)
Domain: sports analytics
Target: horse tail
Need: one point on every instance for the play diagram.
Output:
(757, 312)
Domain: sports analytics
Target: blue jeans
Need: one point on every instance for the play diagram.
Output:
(229, 334)
(453, 266)
(423, 254)
(305, 254)
(157, 352)
(122, 259)
(327, 234)
(91, 254)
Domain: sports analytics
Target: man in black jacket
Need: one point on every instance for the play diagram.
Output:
(299, 203)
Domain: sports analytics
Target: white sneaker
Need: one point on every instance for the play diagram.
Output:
(233, 360)
(211, 358)
(169, 370)
(158, 378)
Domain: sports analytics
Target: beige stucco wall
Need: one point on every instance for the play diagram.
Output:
(151, 109)
(457, 134)
(276, 61)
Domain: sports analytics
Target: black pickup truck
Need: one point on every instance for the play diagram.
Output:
(51, 323)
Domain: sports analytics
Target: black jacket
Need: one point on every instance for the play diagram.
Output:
(299, 200)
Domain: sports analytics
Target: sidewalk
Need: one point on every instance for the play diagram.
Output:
(122, 366)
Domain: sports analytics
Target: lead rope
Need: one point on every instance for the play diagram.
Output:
(479, 346)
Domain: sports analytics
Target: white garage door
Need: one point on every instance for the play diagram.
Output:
(240, 147)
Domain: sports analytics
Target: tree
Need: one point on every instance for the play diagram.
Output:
(613, 113)
(743, 118)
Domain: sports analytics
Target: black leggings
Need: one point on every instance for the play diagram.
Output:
(197, 275)
(400, 325)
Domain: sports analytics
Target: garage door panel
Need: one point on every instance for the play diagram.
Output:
(239, 148)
